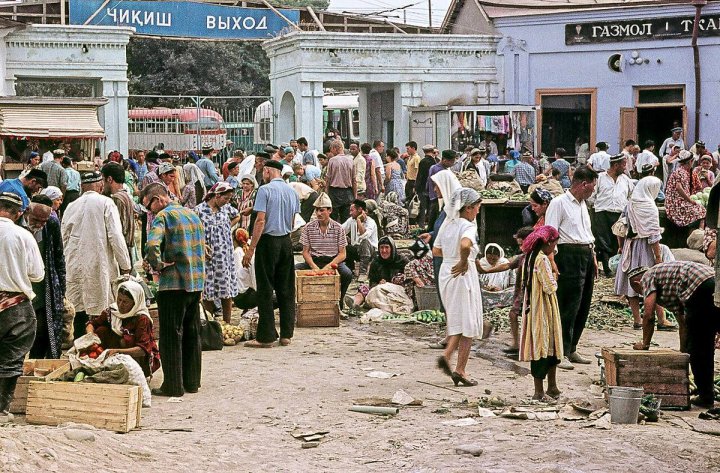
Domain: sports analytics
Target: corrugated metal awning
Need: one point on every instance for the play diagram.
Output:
(50, 121)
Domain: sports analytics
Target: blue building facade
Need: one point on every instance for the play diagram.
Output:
(612, 74)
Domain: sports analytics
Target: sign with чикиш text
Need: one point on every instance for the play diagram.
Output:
(635, 30)
(181, 19)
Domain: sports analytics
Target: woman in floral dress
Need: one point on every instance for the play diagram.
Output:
(218, 217)
(681, 209)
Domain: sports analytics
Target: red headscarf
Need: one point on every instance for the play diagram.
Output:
(546, 233)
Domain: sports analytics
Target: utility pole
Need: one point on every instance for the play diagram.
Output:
(430, 13)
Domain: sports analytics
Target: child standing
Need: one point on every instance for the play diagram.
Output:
(541, 335)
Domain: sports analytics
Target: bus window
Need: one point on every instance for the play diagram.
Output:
(355, 123)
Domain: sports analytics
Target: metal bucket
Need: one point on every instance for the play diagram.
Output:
(624, 404)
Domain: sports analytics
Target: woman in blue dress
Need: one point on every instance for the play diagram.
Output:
(218, 217)
(394, 177)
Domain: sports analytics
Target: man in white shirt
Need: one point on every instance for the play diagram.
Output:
(600, 161)
(611, 197)
(647, 157)
(362, 238)
(375, 154)
(359, 166)
(575, 260)
(21, 266)
(675, 139)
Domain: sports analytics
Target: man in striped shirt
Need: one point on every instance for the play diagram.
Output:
(324, 243)
(176, 249)
(686, 288)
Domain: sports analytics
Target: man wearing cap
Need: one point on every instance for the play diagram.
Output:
(324, 244)
(699, 150)
(207, 167)
(341, 183)
(22, 265)
(686, 288)
(238, 157)
(176, 249)
(363, 238)
(600, 160)
(675, 139)
(421, 182)
(55, 173)
(612, 194)
(446, 162)
(575, 260)
(95, 251)
(276, 205)
(524, 173)
(113, 180)
(225, 154)
(647, 157)
(26, 186)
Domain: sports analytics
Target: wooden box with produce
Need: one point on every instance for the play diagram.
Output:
(661, 372)
(317, 286)
(36, 370)
(115, 407)
(318, 314)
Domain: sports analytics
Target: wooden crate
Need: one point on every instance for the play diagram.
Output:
(155, 317)
(316, 288)
(58, 367)
(85, 166)
(114, 407)
(661, 372)
(317, 314)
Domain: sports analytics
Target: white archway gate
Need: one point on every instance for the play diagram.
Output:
(392, 73)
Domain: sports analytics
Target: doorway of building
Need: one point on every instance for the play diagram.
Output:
(655, 123)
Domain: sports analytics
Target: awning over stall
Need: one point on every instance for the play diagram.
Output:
(40, 117)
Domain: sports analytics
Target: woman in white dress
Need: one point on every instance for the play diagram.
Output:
(458, 282)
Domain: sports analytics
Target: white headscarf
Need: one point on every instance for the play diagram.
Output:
(52, 192)
(193, 174)
(138, 295)
(503, 279)
(642, 213)
(250, 178)
(448, 184)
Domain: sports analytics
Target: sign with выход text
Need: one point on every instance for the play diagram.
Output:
(637, 30)
(181, 19)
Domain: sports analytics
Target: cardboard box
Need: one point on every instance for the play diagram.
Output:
(114, 407)
(57, 368)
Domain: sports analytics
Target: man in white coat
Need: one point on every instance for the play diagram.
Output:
(95, 251)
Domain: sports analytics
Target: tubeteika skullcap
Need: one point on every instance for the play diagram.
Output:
(11, 197)
(617, 158)
(90, 177)
(636, 271)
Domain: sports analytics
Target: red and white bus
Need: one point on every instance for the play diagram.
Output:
(177, 129)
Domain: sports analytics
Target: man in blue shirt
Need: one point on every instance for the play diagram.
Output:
(210, 176)
(26, 186)
(276, 204)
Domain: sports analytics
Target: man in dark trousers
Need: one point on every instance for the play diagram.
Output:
(276, 204)
(421, 182)
(575, 260)
(176, 249)
(686, 288)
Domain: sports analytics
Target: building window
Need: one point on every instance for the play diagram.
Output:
(660, 96)
(567, 120)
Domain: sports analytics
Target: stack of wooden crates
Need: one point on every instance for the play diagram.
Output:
(317, 299)
(661, 372)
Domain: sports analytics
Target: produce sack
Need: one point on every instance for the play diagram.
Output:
(389, 297)
(136, 376)
(470, 179)
(66, 339)
(497, 299)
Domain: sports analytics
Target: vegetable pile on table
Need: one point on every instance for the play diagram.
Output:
(492, 194)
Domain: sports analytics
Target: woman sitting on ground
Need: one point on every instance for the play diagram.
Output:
(387, 267)
(492, 281)
(419, 271)
(125, 327)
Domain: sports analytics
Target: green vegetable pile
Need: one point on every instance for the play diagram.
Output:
(519, 198)
(492, 194)
(429, 316)
(702, 196)
(650, 407)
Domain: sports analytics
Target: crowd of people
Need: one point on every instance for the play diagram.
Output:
(216, 230)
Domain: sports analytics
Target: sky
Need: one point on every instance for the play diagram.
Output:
(417, 14)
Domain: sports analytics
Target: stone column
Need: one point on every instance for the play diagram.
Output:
(407, 94)
(113, 116)
(309, 113)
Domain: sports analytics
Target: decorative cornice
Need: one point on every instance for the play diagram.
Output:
(50, 44)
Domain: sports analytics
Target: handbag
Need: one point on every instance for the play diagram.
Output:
(211, 337)
(620, 228)
(414, 207)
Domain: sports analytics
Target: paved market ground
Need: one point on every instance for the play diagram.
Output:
(251, 402)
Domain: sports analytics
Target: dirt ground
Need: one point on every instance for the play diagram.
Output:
(251, 401)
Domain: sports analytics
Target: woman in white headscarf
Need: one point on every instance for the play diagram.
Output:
(246, 200)
(194, 190)
(458, 281)
(641, 246)
(494, 256)
(54, 194)
(126, 327)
